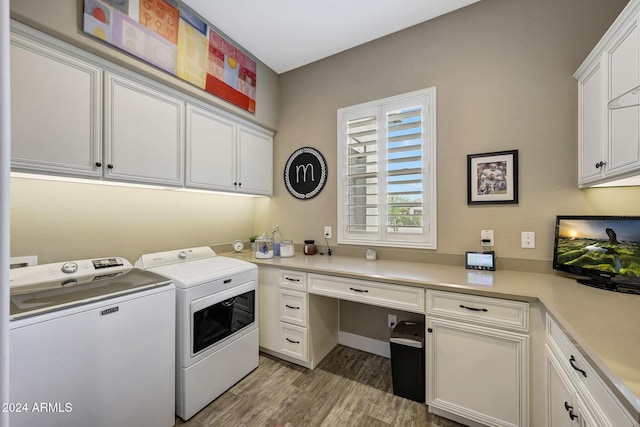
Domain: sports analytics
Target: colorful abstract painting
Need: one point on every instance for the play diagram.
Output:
(172, 37)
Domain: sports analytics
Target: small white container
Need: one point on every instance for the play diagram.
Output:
(286, 249)
(371, 254)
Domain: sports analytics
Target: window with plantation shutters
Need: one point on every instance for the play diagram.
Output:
(387, 183)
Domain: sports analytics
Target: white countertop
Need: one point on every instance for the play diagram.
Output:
(604, 324)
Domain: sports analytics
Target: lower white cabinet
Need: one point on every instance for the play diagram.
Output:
(400, 297)
(477, 369)
(294, 325)
(565, 408)
(576, 395)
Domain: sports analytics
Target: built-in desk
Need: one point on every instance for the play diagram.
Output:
(604, 326)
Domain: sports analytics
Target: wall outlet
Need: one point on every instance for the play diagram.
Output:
(528, 239)
(327, 231)
(392, 320)
(486, 237)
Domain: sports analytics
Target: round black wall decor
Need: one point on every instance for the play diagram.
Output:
(305, 173)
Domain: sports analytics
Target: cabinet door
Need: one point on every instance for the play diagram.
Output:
(591, 147)
(478, 373)
(269, 314)
(144, 133)
(586, 414)
(255, 162)
(56, 115)
(623, 124)
(559, 394)
(210, 150)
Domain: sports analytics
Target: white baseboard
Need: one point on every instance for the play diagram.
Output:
(370, 345)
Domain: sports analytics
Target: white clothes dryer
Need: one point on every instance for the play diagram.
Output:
(216, 322)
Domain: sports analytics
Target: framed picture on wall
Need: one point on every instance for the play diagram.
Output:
(492, 178)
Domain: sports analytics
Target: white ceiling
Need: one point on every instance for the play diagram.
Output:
(287, 34)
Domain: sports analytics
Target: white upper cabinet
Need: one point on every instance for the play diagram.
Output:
(622, 62)
(591, 150)
(223, 154)
(255, 161)
(609, 115)
(144, 133)
(210, 150)
(78, 115)
(56, 111)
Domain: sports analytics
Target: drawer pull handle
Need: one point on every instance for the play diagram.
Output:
(572, 361)
(292, 307)
(473, 308)
(569, 409)
(291, 280)
(292, 341)
(359, 290)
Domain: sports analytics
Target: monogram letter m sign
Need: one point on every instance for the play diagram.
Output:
(305, 173)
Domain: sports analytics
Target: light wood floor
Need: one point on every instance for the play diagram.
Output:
(348, 388)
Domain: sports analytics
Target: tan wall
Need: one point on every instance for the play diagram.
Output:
(60, 221)
(503, 72)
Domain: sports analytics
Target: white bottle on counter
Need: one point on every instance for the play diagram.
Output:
(277, 240)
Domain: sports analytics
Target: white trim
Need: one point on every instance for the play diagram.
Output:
(5, 212)
(370, 345)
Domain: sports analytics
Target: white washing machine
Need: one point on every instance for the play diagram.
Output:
(92, 343)
(216, 322)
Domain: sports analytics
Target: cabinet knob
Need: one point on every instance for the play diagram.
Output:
(572, 362)
(98, 164)
(569, 409)
(110, 166)
(473, 308)
(429, 330)
(600, 164)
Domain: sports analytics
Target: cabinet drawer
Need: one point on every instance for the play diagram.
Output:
(401, 297)
(483, 310)
(584, 376)
(293, 307)
(294, 341)
(293, 279)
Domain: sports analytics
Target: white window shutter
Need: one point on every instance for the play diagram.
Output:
(386, 151)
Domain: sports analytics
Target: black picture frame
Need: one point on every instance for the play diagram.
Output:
(492, 178)
(305, 173)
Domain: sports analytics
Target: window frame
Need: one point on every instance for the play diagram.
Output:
(427, 239)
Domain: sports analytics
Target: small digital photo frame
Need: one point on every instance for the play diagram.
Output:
(481, 260)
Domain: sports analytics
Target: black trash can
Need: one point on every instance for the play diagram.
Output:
(407, 360)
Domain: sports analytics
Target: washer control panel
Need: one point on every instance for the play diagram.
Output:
(172, 257)
(67, 269)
